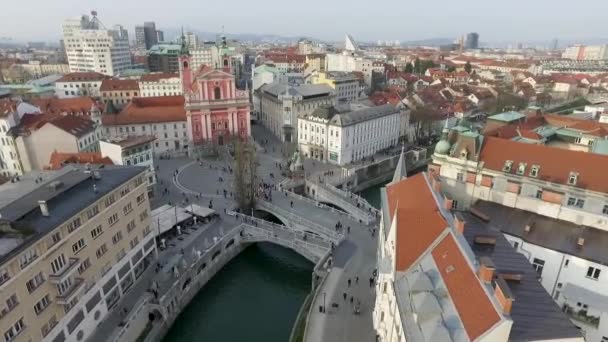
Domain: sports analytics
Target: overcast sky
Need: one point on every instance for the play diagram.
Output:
(496, 21)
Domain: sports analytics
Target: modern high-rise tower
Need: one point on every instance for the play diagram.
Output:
(472, 41)
(90, 46)
(146, 36)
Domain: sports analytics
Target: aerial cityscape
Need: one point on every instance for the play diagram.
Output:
(169, 180)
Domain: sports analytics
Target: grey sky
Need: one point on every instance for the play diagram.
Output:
(514, 20)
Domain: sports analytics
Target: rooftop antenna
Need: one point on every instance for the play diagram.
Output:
(96, 20)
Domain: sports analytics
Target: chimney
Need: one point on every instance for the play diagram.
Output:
(503, 294)
(486, 269)
(528, 226)
(44, 208)
(459, 223)
(580, 242)
(447, 202)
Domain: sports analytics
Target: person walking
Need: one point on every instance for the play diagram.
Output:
(348, 282)
(344, 295)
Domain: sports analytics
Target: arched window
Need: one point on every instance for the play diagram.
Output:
(185, 64)
(218, 93)
(225, 62)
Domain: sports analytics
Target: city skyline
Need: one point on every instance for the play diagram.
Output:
(404, 22)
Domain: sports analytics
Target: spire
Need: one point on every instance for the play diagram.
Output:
(401, 169)
(184, 49)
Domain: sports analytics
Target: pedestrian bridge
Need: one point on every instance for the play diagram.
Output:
(353, 204)
(304, 217)
(310, 246)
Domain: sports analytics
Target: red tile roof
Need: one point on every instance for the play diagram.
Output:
(75, 125)
(73, 105)
(111, 84)
(7, 107)
(82, 77)
(590, 166)
(59, 159)
(155, 77)
(149, 110)
(475, 309)
(419, 222)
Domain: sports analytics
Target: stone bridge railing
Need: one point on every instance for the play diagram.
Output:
(362, 211)
(300, 223)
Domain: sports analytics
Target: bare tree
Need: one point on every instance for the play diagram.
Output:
(422, 118)
(245, 167)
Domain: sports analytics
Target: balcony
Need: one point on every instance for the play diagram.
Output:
(72, 293)
(581, 316)
(66, 272)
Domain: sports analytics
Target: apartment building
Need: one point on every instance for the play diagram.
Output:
(131, 150)
(68, 133)
(118, 92)
(160, 84)
(163, 117)
(344, 135)
(447, 276)
(79, 84)
(345, 85)
(281, 104)
(92, 48)
(78, 240)
(547, 199)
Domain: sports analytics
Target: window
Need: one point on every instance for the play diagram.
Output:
(42, 304)
(124, 191)
(217, 93)
(143, 215)
(566, 263)
(78, 246)
(117, 237)
(147, 231)
(35, 282)
(534, 171)
(521, 169)
(507, 166)
(576, 202)
(12, 302)
(92, 212)
(593, 273)
(113, 219)
(573, 178)
(110, 200)
(605, 209)
(96, 232)
(74, 224)
(454, 204)
(101, 251)
(14, 330)
(538, 265)
(539, 194)
(134, 242)
(127, 208)
(460, 177)
(27, 257)
(130, 226)
(84, 265)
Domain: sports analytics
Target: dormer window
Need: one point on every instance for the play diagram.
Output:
(521, 169)
(534, 171)
(573, 178)
(463, 154)
(508, 165)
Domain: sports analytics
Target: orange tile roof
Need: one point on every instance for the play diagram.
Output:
(475, 309)
(419, 221)
(149, 110)
(590, 166)
(71, 105)
(82, 77)
(7, 107)
(111, 84)
(58, 159)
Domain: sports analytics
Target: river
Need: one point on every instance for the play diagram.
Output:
(255, 297)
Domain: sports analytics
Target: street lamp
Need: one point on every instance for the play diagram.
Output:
(323, 302)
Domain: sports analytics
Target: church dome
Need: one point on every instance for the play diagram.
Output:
(442, 147)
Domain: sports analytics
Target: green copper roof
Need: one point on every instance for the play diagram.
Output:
(507, 116)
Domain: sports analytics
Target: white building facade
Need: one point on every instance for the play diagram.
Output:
(91, 48)
(160, 85)
(131, 150)
(345, 137)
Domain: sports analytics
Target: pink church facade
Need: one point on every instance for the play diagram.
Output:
(215, 110)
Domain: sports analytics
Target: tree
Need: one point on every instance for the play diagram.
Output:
(468, 67)
(409, 68)
(503, 102)
(422, 120)
(417, 67)
(451, 69)
(245, 167)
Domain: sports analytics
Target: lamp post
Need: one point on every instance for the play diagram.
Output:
(323, 302)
